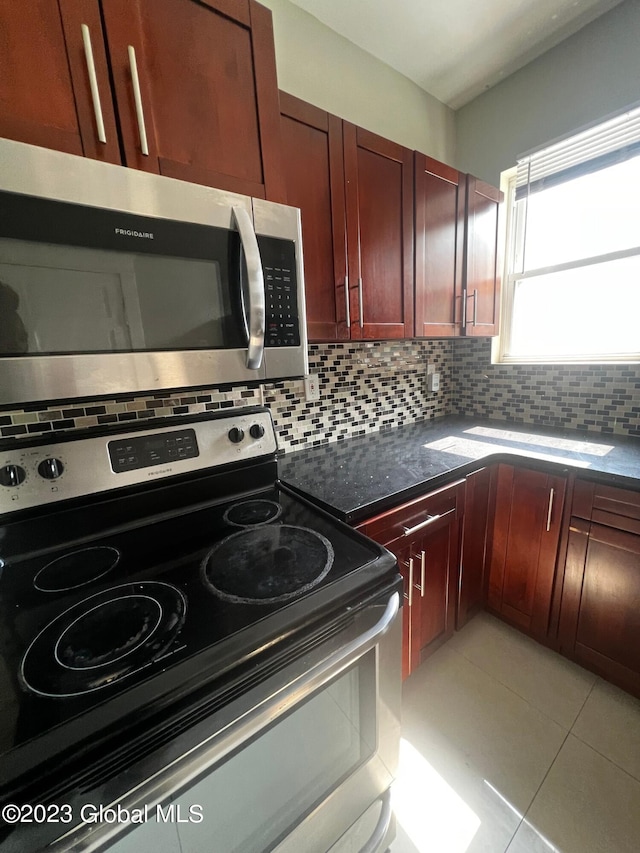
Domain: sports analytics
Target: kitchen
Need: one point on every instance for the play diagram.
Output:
(463, 364)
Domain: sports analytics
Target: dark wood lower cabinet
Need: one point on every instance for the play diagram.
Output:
(599, 623)
(526, 532)
(478, 514)
(495, 541)
(424, 534)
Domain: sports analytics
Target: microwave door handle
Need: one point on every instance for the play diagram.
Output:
(256, 321)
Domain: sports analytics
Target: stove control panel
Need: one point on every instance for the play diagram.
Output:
(78, 466)
(150, 450)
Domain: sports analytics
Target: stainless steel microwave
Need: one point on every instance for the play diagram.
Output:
(114, 280)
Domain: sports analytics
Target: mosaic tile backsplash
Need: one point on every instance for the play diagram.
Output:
(601, 398)
(365, 387)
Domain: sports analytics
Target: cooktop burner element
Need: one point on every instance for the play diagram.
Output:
(252, 513)
(103, 638)
(77, 569)
(268, 564)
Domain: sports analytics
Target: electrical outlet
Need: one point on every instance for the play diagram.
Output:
(433, 382)
(431, 368)
(311, 388)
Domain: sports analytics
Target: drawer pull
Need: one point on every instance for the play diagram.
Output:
(408, 531)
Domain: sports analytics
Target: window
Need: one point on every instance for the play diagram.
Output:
(572, 282)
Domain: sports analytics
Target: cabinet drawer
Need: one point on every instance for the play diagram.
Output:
(422, 514)
(608, 505)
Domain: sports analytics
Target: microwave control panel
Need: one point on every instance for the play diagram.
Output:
(282, 322)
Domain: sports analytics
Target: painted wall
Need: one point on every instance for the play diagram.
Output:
(585, 78)
(321, 67)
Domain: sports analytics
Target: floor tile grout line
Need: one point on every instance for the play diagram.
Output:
(515, 692)
(606, 758)
(544, 778)
(590, 745)
(564, 740)
(524, 816)
(568, 734)
(546, 716)
(597, 679)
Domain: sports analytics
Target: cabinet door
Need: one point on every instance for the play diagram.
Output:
(482, 259)
(208, 91)
(379, 191)
(314, 173)
(600, 612)
(526, 532)
(435, 555)
(410, 612)
(45, 92)
(478, 505)
(439, 244)
(424, 534)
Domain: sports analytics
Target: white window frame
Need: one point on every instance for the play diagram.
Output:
(502, 343)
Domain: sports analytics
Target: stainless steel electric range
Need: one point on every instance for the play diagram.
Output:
(191, 656)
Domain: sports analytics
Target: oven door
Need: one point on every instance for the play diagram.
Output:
(290, 766)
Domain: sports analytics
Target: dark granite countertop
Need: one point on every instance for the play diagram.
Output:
(359, 477)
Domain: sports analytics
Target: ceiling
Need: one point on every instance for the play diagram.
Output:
(455, 49)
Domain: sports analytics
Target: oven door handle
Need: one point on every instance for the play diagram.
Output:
(382, 827)
(188, 767)
(256, 323)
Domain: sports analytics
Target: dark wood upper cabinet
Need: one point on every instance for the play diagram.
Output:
(205, 72)
(526, 531)
(457, 277)
(379, 198)
(208, 91)
(45, 93)
(439, 246)
(355, 192)
(482, 259)
(314, 174)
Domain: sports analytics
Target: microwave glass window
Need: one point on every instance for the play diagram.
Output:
(183, 304)
(60, 299)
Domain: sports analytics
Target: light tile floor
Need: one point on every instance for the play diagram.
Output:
(506, 746)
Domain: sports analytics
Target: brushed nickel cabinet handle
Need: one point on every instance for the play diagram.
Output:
(346, 300)
(423, 571)
(410, 581)
(551, 494)
(475, 308)
(361, 303)
(137, 97)
(408, 531)
(93, 83)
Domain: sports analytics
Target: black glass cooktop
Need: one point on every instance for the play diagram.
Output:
(120, 617)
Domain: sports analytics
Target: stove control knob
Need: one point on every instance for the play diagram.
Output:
(236, 435)
(50, 469)
(256, 430)
(12, 475)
